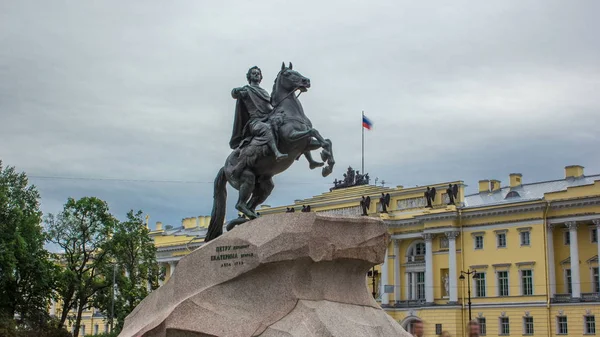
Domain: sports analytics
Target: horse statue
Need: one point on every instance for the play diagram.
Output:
(252, 165)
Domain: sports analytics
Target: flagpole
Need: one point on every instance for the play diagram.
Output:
(362, 168)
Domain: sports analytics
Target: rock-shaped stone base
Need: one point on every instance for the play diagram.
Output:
(291, 274)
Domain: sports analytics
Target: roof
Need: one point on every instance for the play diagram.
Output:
(526, 192)
(182, 231)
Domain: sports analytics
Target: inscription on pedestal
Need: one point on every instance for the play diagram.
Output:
(231, 253)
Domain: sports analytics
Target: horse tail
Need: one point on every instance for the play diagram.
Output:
(217, 216)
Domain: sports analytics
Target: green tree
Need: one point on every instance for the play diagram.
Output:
(26, 272)
(83, 231)
(137, 272)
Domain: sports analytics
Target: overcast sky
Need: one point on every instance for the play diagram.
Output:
(140, 90)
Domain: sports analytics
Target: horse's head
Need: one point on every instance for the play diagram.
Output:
(290, 80)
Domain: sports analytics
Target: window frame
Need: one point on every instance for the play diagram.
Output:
(507, 285)
(420, 285)
(594, 233)
(568, 281)
(526, 324)
(595, 271)
(524, 234)
(482, 325)
(476, 284)
(566, 238)
(586, 326)
(558, 325)
(523, 287)
(499, 238)
(501, 326)
(475, 240)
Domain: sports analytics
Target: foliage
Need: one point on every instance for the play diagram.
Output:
(26, 272)
(108, 334)
(40, 325)
(136, 272)
(83, 231)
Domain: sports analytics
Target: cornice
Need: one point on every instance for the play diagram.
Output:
(179, 247)
(502, 210)
(579, 202)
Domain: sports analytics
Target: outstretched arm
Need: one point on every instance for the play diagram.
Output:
(238, 93)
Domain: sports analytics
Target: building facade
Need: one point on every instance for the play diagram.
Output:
(509, 250)
(527, 253)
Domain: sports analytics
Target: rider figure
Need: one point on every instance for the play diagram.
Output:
(252, 112)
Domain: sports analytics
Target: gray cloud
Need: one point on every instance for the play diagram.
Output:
(141, 91)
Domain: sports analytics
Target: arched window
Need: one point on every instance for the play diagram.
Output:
(512, 194)
(416, 249)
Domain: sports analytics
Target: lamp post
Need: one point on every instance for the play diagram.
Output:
(462, 278)
(112, 306)
(373, 278)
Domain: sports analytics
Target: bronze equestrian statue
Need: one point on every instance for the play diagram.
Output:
(269, 133)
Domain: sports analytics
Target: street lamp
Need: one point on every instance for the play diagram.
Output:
(373, 273)
(112, 306)
(462, 278)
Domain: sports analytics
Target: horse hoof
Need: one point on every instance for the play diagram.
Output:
(235, 222)
(315, 165)
(326, 171)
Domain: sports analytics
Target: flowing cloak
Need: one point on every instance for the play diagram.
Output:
(260, 98)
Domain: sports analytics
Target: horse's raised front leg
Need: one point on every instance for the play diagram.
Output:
(326, 154)
(313, 145)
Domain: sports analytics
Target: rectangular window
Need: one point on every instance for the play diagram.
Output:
(527, 282)
(569, 285)
(96, 329)
(528, 325)
(501, 240)
(479, 242)
(594, 235)
(504, 327)
(596, 285)
(479, 284)
(503, 283)
(421, 285)
(567, 238)
(525, 239)
(590, 325)
(482, 326)
(561, 325)
(82, 330)
(105, 328)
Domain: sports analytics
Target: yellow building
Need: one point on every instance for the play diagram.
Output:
(516, 242)
(172, 244)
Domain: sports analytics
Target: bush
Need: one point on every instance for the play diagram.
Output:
(112, 334)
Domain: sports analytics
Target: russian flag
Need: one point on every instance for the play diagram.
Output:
(367, 123)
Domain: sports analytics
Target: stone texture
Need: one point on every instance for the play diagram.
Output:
(292, 274)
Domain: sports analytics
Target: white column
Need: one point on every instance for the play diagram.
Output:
(53, 308)
(575, 276)
(597, 223)
(397, 264)
(452, 263)
(551, 263)
(428, 268)
(385, 299)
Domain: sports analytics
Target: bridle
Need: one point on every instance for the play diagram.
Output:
(288, 94)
